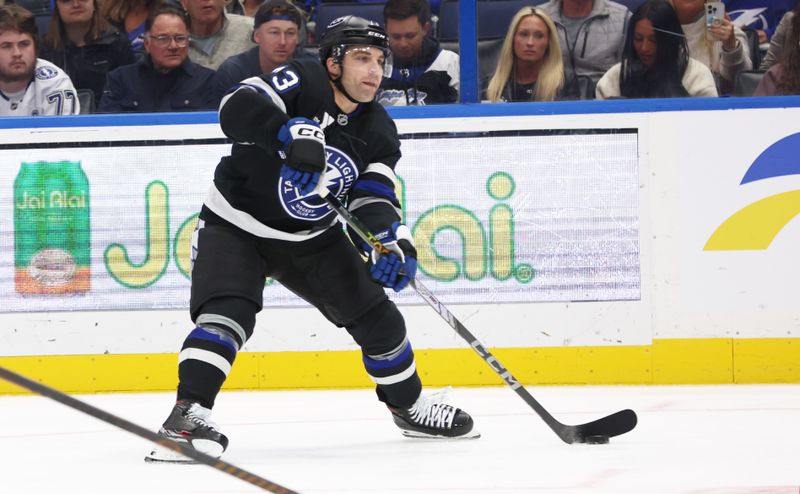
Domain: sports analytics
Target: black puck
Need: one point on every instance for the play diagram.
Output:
(596, 439)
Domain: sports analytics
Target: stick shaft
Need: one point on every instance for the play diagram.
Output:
(612, 425)
(140, 431)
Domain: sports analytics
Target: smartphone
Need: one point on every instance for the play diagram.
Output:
(715, 12)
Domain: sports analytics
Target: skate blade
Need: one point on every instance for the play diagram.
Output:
(166, 455)
(473, 434)
(163, 455)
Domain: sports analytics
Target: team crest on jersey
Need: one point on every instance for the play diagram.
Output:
(340, 175)
(44, 73)
(399, 97)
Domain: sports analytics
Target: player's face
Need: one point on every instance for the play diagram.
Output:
(276, 41)
(362, 72)
(204, 11)
(167, 42)
(405, 37)
(75, 11)
(17, 56)
(531, 40)
(644, 42)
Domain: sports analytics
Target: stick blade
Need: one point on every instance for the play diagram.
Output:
(612, 425)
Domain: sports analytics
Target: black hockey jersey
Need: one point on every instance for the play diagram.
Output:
(362, 149)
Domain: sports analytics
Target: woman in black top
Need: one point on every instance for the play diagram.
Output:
(530, 67)
(84, 45)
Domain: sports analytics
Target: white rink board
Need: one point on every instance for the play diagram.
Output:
(684, 194)
(573, 216)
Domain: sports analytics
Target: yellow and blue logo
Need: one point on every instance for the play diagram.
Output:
(755, 226)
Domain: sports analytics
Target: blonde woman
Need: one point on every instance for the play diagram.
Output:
(530, 67)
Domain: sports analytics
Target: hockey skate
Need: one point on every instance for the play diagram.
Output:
(189, 423)
(428, 417)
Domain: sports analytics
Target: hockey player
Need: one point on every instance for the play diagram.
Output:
(29, 85)
(263, 218)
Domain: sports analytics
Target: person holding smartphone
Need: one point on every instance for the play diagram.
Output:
(655, 60)
(714, 40)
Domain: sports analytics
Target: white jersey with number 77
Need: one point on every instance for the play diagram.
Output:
(50, 92)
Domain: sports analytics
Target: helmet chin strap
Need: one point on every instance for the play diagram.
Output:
(338, 83)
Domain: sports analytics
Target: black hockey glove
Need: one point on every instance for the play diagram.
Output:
(304, 152)
(396, 269)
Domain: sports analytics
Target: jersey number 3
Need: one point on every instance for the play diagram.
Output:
(285, 80)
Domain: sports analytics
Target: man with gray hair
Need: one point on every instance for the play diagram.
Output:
(214, 35)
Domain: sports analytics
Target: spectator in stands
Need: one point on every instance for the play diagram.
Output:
(128, 16)
(165, 80)
(278, 24)
(84, 45)
(215, 35)
(655, 61)
(29, 85)
(778, 40)
(784, 78)
(530, 67)
(243, 7)
(722, 47)
(592, 34)
(762, 16)
(423, 72)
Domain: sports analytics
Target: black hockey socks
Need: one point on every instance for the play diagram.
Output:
(204, 363)
(395, 373)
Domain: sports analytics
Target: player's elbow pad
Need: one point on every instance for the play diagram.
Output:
(248, 116)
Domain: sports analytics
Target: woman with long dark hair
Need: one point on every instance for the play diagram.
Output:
(655, 60)
(84, 45)
(784, 77)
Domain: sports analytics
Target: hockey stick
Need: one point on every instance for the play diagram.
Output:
(610, 426)
(144, 433)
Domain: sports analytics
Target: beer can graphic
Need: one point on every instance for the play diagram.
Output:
(52, 241)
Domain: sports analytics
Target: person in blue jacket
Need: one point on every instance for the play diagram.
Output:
(165, 80)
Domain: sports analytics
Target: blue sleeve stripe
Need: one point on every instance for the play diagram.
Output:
(375, 188)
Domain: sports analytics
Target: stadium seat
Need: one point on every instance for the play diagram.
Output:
(585, 87)
(747, 82)
(493, 16)
(753, 46)
(43, 24)
(86, 99)
(488, 54)
(36, 7)
(326, 12)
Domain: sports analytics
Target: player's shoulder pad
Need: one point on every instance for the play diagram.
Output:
(307, 76)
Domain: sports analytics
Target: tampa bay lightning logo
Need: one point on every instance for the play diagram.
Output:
(340, 175)
(43, 73)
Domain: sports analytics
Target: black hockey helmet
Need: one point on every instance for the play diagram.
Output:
(351, 30)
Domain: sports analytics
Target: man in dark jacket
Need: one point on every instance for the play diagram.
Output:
(277, 31)
(423, 72)
(166, 80)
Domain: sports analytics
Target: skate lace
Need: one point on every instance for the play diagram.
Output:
(430, 411)
(200, 416)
